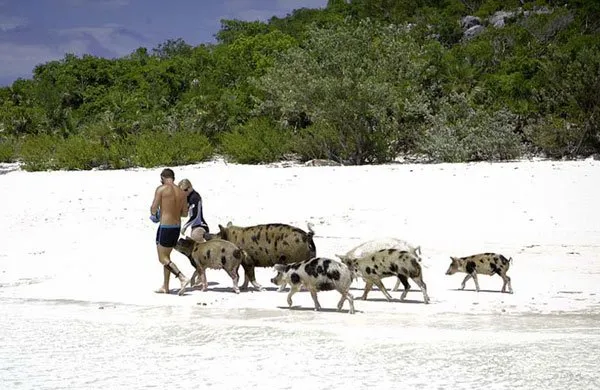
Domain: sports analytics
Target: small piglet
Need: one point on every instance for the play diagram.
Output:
(215, 254)
(316, 274)
(483, 263)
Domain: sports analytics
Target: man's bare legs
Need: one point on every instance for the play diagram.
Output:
(164, 256)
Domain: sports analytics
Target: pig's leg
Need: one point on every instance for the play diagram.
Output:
(235, 278)
(402, 279)
(193, 278)
(249, 272)
(476, 282)
(421, 283)
(350, 298)
(382, 288)
(202, 272)
(368, 286)
(506, 280)
(405, 292)
(282, 287)
(246, 280)
(293, 290)
(462, 286)
(313, 294)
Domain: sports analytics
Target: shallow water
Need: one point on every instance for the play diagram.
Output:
(72, 344)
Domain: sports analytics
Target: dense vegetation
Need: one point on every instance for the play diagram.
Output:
(361, 81)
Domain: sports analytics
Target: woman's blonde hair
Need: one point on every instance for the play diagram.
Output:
(185, 183)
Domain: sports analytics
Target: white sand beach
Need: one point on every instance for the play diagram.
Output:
(78, 268)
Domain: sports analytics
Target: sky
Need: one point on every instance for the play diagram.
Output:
(37, 31)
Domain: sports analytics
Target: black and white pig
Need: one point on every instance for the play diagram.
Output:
(389, 262)
(483, 263)
(316, 274)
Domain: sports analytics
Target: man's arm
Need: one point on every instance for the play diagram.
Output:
(184, 206)
(156, 201)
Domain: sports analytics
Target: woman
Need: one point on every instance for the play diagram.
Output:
(196, 221)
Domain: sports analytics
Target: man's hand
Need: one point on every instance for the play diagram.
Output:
(155, 217)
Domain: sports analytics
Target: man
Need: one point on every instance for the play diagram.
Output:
(168, 207)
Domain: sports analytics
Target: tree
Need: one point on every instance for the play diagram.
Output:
(172, 48)
(358, 85)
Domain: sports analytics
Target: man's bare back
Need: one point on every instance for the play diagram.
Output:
(172, 202)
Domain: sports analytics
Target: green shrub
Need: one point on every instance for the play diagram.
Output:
(118, 149)
(459, 133)
(192, 147)
(7, 150)
(320, 142)
(79, 153)
(257, 141)
(37, 152)
(555, 137)
(324, 141)
(156, 148)
(120, 153)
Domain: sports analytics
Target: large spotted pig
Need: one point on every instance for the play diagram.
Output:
(389, 262)
(214, 254)
(483, 263)
(269, 244)
(372, 246)
(317, 274)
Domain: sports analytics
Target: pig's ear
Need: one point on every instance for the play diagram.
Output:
(453, 258)
(418, 250)
(229, 224)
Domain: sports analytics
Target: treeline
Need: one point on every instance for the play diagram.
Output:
(361, 81)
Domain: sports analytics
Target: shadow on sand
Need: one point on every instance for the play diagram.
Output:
(377, 289)
(6, 168)
(226, 289)
(310, 308)
(394, 300)
(473, 290)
